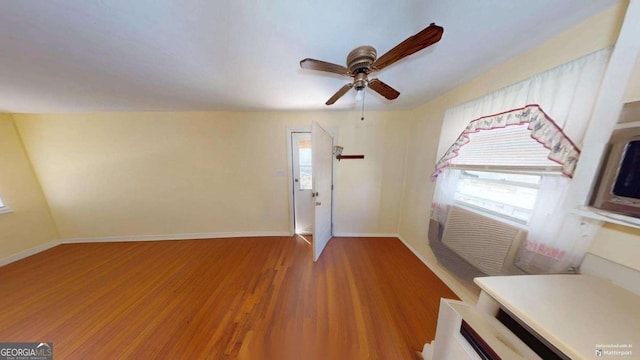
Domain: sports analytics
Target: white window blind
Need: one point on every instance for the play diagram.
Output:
(505, 148)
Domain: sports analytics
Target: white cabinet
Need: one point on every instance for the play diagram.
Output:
(464, 331)
(576, 315)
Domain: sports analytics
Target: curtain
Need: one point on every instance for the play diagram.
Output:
(515, 147)
(443, 196)
(557, 240)
(566, 93)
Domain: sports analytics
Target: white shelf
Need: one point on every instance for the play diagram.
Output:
(626, 125)
(607, 216)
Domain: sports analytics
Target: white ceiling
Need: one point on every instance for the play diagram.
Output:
(157, 55)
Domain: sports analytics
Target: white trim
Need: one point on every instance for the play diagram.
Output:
(453, 284)
(192, 236)
(348, 234)
(606, 216)
(26, 253)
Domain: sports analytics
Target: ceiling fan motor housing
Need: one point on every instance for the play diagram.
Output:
(359, 64)
(360, 59)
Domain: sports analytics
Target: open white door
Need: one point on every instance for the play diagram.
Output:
(322, 155)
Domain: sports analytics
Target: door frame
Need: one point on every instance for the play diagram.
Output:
(333, 131)
(301, 198)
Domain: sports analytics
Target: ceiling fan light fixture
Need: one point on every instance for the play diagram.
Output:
(360, 81)
(359, 95)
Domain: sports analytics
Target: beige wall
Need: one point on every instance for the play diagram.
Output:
(618, 243)
(138, 174)
(30, 224)
(426, 128)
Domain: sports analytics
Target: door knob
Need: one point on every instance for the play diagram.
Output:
(296, 180)
(318, 203)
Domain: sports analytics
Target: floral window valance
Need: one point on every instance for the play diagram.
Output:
(543, 129)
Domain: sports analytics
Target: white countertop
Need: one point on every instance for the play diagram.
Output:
(575, 313)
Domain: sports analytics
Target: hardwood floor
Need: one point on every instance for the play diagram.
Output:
(244, 298)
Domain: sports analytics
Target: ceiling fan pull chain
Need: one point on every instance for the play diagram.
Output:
(363, 94)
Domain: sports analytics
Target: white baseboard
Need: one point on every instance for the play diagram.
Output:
(348, 234)
(26, 253)
(175, 237)
(462, 292)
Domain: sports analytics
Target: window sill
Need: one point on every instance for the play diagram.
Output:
(5, 210)
(606, 216)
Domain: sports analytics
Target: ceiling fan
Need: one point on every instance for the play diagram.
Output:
(363, 61)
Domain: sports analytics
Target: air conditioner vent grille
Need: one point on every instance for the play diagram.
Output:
(485, 243)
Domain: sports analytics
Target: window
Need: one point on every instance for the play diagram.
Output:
(304, 160)
(494, 140)
(509, 195)
(500, 159)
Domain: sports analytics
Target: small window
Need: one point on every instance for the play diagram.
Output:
(509, 195)
(304, 159)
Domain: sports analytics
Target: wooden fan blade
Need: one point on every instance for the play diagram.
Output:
(343, 90)
(319, 65)
(428, 36)
(383, 89)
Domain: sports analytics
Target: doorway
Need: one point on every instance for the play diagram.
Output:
(302, 172)
(311, 184)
